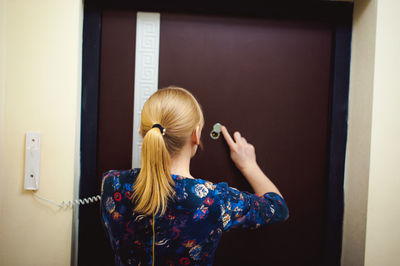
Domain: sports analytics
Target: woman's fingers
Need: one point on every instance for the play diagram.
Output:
(237, 137)
(242, 152)
(227, 137)
(236, 140)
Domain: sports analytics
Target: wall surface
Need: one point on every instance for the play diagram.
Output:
(372, 214)
(383, 216)
(40, 67)
(2, 98)
(359, 132)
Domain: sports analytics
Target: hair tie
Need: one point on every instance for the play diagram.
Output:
(162, 130)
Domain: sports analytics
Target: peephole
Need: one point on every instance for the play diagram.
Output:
(216, 131)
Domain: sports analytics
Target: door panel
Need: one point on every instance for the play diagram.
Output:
(270, 80)
(116, 90)
(114, 135)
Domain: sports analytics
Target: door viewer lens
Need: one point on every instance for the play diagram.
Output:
(216, 131)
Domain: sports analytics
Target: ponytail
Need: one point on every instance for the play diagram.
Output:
(178, 111)
(153, 186)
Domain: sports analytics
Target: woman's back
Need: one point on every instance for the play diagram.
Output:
(154, 217)
(191, 227)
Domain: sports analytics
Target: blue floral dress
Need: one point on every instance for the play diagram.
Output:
(189, 231)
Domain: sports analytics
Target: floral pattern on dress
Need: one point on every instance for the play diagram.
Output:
(192, 225)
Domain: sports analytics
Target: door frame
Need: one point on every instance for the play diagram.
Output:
(338, 14)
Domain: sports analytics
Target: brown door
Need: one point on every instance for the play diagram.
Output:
(268, 79)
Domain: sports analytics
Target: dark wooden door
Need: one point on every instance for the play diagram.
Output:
(270, 79)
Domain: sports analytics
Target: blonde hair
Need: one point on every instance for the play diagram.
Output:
(176, 110)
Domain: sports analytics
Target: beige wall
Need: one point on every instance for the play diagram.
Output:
(383, 216)
(40, 70)
(2, 100)
(372, 214)
(359, 132)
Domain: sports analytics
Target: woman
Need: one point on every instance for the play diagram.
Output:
(160, 214)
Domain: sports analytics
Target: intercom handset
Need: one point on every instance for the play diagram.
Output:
(32, 172)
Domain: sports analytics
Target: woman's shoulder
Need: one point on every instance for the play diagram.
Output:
(121, 174)
(199, 187)
(114, 179)
(194, 182)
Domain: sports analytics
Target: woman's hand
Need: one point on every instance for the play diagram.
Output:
(243, 154)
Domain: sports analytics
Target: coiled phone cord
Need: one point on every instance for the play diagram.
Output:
(70, 203)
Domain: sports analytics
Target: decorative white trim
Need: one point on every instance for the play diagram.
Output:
(146, 72)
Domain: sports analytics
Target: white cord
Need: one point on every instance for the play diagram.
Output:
(70, 203)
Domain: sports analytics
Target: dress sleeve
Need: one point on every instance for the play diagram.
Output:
(246, 210)
(107, 206)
